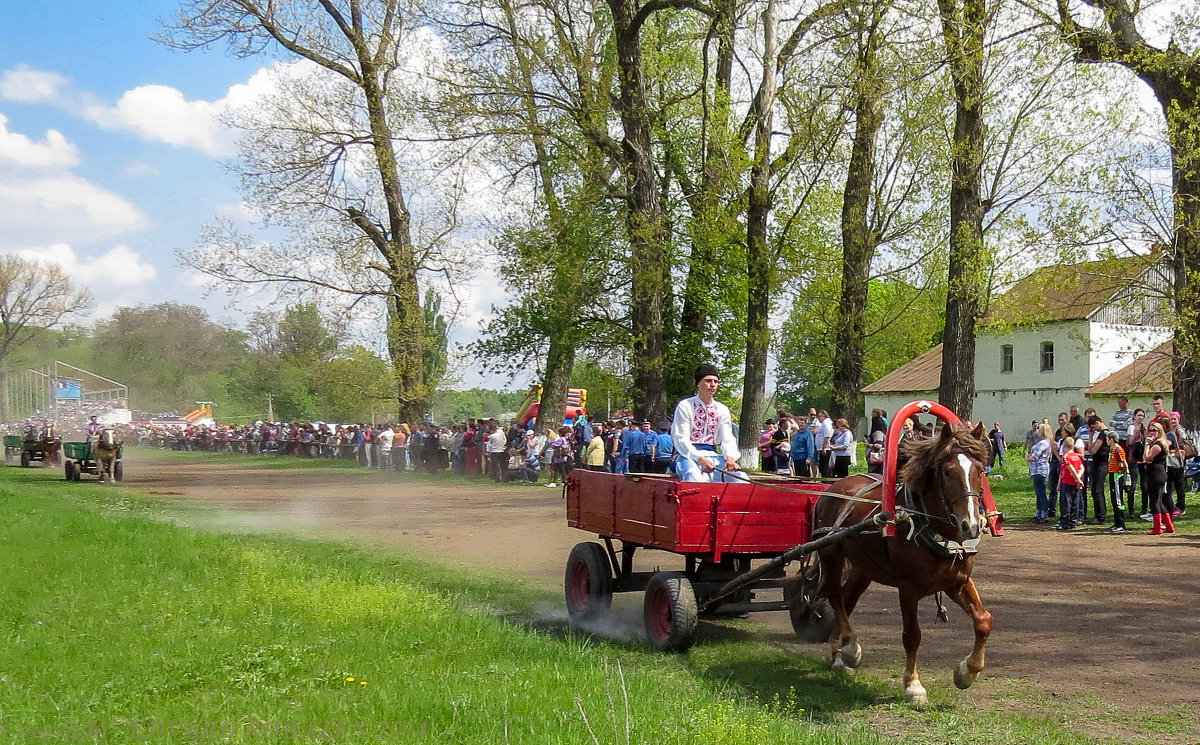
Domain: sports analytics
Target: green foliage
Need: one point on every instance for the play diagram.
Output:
(433, 350)
(459, 406)
(165, 353)
(902, 322)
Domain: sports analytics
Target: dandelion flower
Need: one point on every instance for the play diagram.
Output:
(350, 679)
(362, 683)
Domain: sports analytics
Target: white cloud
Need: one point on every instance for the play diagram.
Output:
(160, 113)
(27, 85)
(53, 152)
(141, 169)
(120, 267)
(62, 208)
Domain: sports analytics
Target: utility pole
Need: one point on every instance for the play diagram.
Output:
(270, 408)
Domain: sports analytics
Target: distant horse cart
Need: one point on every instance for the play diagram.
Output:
(45, 447)
(101, 458)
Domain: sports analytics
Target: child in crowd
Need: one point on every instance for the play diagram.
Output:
(1118, 477)
(1070, 501)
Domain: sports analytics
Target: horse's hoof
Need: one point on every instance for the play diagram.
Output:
(915, 693)
(838, 663)
(852, 654)
(963, 677)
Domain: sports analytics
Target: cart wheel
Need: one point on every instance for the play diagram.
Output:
(812, 618)
(118, 471)
(77, 471)
(670, 612)
(24, 459)
(588, 582)
(69, 468)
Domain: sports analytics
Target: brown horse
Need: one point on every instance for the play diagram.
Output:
(105, 449)
(938, 526)
(51, 445)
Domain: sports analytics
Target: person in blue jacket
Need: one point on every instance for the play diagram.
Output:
(663, 451)
(803, 448)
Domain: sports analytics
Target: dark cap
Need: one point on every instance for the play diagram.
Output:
(703, 371)
(664, 425)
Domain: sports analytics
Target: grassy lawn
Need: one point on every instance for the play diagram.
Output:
(119, 626)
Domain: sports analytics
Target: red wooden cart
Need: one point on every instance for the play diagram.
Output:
(719, 529)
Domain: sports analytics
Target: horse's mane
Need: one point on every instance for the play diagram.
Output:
(925, 454)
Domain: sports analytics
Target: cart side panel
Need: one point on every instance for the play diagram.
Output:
(635, 510)
(744, 518)
(77, 450)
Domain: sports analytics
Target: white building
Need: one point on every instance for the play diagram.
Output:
(1080, 334)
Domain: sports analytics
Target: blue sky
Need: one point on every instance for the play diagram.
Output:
(111, 152)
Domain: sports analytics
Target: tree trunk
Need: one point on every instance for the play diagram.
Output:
(858, 247)
(645, 221)
(708, 229)
(1182, 110)
(759, 261)
(560, 360)
(963, 30)
(406, 330)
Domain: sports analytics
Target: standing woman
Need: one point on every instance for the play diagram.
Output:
(1135, 448)
(840, 445)
(1176, 463)
(1039, 471)
(1155, 457)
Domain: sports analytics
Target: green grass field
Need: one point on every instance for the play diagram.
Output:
(120, 626)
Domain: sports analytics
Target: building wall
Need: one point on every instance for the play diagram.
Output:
(1116, 345)
(1071, 358)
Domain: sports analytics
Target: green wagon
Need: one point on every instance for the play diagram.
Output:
(79, 460)
(29, 451)
(12, 447)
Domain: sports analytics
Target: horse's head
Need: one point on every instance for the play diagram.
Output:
(947, 471)
(108, 437)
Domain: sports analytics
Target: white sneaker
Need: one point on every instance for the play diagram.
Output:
(551, 485)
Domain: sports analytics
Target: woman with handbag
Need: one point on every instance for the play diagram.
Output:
(1155, 458)
(1176, 462)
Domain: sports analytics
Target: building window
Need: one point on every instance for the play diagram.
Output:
(1006, 358)
(1047, 356)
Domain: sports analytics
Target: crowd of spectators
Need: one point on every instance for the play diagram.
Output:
(1135, 464)
(1140, 460)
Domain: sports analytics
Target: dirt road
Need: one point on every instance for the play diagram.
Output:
(1109, 617)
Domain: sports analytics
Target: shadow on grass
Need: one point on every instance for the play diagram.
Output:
(730, 659)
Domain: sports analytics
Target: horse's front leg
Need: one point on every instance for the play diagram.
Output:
(967, 597)
(844, 649)
(913, 690)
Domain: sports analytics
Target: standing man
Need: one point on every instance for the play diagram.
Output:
(663, 451)
(1031, 437)
(702, 433)
(1121, 419)
(824, 433)
(497, 453)
(1098, 474)
(998, 445)
(631, 445)
(802, 449)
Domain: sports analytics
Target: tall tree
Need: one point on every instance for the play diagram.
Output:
(646, 224)
(325, 150)
(541, 92)
(859, 237)
(964, 25)
(33, 296)
(1170, 73)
